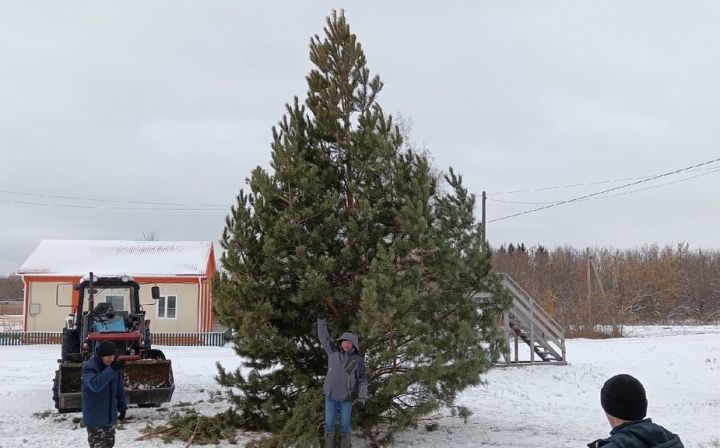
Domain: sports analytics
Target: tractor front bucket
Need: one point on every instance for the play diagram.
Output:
(148, 382)
(66, 387)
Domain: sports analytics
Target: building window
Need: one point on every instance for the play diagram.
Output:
(118, 302)
(167, 307)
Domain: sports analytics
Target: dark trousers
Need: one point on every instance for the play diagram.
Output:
(101, 437)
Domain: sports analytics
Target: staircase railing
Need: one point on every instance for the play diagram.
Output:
(543, 330)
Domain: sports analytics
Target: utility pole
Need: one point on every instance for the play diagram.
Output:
(589, 288)
(484, 226)
(592, 266)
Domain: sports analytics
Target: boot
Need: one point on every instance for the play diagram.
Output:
(345, 441)
(329, 440)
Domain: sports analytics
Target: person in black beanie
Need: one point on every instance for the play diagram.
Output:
(103, 395)
(623, 399)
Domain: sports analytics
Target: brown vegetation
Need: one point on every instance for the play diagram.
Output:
(11, 288)
(595, 292)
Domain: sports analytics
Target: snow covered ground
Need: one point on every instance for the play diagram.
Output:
(553, 406)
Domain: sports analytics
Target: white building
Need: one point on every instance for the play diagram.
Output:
(182, 269)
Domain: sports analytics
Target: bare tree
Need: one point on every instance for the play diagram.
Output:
(149, 235)
(651, 284)
(11, 288)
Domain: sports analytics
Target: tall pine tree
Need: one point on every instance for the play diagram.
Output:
(351, 221)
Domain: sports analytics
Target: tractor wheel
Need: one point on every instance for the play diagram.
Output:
(70, 344)
(154, 354)
(55, 388)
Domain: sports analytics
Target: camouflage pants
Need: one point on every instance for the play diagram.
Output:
(101, 437)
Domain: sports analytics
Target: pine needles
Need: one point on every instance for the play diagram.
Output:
(197, 429)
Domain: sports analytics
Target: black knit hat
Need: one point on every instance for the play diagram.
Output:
(623, 396)
(106, 348)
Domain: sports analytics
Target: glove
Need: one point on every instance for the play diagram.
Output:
(361, 403)
(121, 415)
(117, 365)
(322, 315)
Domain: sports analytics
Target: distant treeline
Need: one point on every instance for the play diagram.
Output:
(11, 288)
(597, 291)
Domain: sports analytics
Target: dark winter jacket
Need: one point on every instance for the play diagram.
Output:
(346, 371)
(103, 393)
(639, 434)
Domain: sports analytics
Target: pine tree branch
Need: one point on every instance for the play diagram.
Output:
(192, 436)
(147, 435)
(390, 371)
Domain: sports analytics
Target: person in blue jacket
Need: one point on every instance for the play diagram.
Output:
(103, 395)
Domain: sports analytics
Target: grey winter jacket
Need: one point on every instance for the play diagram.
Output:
(346, 371)
(639, 434)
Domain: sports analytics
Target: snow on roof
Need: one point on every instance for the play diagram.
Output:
(112, 258)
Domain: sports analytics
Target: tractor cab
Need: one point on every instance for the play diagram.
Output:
(107, 320)
(109, 309)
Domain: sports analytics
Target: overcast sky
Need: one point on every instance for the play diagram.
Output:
(106, 105)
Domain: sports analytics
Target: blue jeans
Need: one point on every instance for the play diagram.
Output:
(332, 408)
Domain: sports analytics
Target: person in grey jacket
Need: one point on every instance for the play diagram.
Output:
(345, 380)
(623, 399)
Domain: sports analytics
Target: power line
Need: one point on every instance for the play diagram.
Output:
(176, 206)
(592, 195)
(106, 207)
(575, 185)
(105, 203)
(661, 185)
(712, 171)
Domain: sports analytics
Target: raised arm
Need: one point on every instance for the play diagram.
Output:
(323, 334)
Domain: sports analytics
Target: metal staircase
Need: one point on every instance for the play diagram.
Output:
(526, 321)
